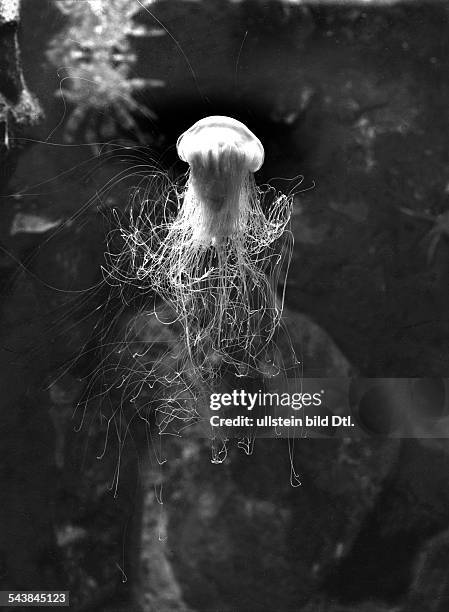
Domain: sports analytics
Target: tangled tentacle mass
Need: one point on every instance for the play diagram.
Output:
(216, 268)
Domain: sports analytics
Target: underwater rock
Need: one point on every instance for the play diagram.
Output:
(430, 586)
(18, 107)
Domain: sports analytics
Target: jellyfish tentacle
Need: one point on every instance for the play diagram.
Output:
(209, 250)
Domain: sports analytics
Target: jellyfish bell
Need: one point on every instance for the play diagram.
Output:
(213, 140)
(222, 154)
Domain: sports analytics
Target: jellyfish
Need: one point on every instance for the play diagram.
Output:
(212, 248)
(222, 154)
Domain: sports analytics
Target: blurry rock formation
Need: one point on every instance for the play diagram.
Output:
(18, 107)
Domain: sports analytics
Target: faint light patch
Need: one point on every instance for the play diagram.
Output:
(156, 83)
(369, 108)
(368, 129)
(207, 505)
(153, 32)
(307, 233)
(25, 223)
(65, 391)
(288, 106)
(357, 211)
(259, 507)
(63, 395)
(339, 550)
(69, 534)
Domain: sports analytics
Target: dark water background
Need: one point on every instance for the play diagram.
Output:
(355, 99)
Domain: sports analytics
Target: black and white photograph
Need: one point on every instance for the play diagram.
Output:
(224, 305)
